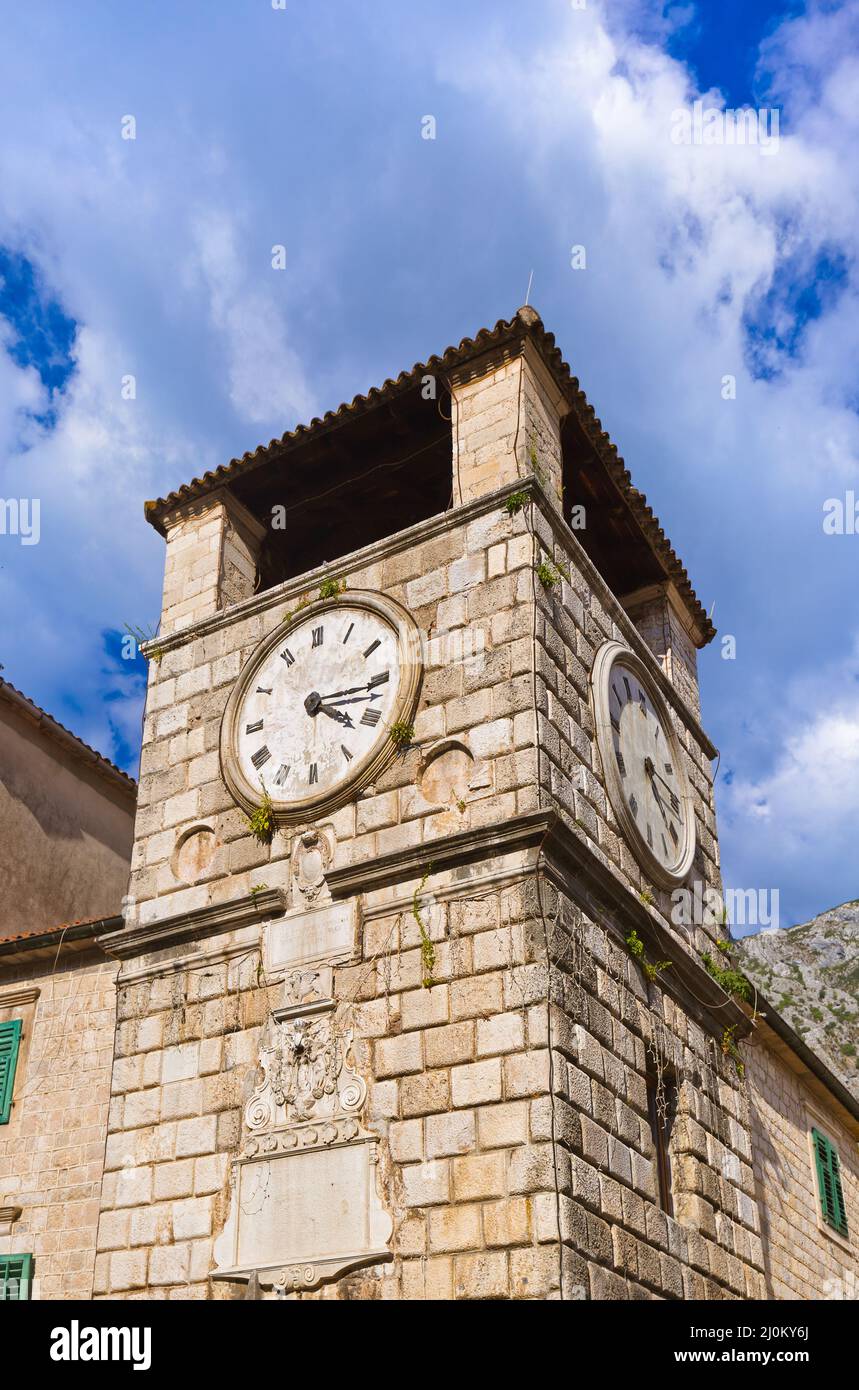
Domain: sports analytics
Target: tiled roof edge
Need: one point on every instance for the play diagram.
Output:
(525, 321)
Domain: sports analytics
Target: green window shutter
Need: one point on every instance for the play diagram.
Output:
(10, 1037)
(16, 1273)
(829, 1183)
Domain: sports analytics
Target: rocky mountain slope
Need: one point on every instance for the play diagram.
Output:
(811, 975)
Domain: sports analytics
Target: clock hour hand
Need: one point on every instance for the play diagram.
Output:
(339, 714)
(652, 773)
(314, 704)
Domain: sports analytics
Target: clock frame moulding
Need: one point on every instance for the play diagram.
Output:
(368, 769)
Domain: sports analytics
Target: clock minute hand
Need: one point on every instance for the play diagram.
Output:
(356, 689)
(356, 699)
(353, 691)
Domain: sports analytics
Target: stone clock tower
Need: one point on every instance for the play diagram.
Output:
(403, 1011)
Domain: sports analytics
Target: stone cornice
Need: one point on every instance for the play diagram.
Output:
(521, 832)
(8, 1217)
(594, 886)
(573, 867)
(338, 569)
(15, 997)
(427, 530)
(202, 921)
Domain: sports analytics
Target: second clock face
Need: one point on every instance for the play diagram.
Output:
(319, 704)
(642, 763)
(646, 763)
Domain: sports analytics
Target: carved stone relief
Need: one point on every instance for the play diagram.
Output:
(305, 1206)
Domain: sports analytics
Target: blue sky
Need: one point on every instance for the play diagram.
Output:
(301, 127)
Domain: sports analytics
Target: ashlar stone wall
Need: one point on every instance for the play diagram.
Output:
(52, 1149)
(804, 1257)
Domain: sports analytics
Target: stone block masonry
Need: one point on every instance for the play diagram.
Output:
(52, 1149)
(509, 1097)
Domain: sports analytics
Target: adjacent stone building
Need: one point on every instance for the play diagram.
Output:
(66, 827)
(404, 1005)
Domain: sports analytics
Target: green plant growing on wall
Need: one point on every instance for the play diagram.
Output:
(534, 460)
(646, 897)
(427, 946)
(635, 945)
(141, 636)
(330, 588)
(515, 502)
(402, 733)
(302, 603)
(652, 968)
(730, 1049)
(261, 822)
(732, 981)
(550, 574)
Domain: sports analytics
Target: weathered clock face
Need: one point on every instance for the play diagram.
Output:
(644, 775)
(314, 708)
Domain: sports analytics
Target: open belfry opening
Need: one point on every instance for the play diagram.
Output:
(412, 988)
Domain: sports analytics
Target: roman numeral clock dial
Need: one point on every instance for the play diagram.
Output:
(308, 721)
(643, 765)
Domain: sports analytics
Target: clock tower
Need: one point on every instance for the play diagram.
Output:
(406, 1006)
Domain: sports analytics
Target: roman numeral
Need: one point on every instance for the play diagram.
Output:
(675, 801)
(669, 769)
(614, 692)
(317, 637)
(621, 763)
(345, 751)
(664, 845)
(349, 633)
(673, 833)
(372, 647)
(649, 836)
(282, 775)
(633, 805)
(260, 758)
(379, 680)
(371, 717)
(642, 702)
(628, 688)
(314, 774)
(253, 728)
(261, 690)
(286, 655)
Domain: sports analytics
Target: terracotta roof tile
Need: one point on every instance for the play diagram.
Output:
(6, 936)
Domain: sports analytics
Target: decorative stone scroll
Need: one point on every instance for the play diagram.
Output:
(304, 1204)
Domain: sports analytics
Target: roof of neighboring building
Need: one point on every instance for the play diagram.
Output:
(807, 1063)
(60, 734)
(74, 935)
(525, 321)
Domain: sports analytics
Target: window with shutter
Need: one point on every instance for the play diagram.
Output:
(829, 1182)
(10, 1037)
(16, 1272)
